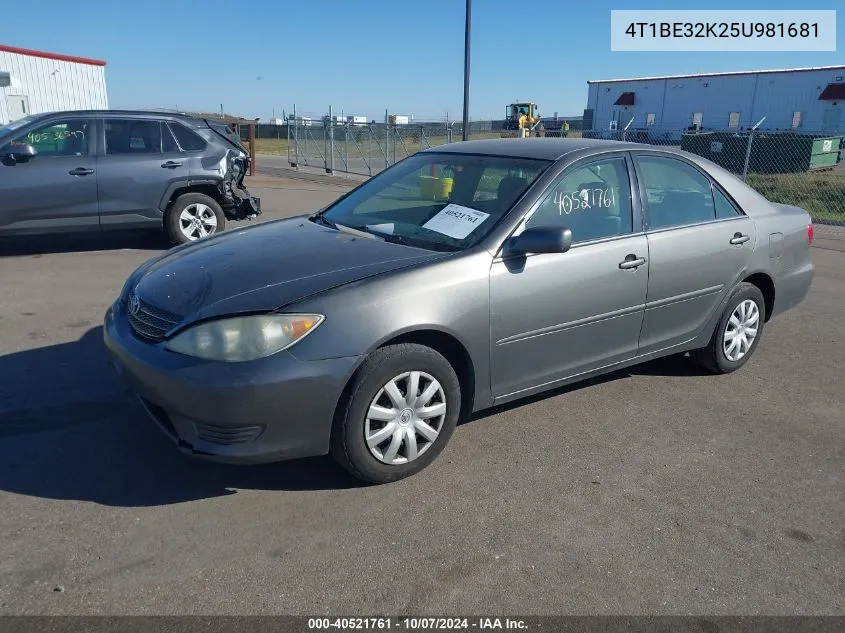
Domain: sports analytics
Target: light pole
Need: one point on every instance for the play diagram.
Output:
(466, 69)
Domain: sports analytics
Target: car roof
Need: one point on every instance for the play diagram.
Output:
(539, 148)
(138, 113)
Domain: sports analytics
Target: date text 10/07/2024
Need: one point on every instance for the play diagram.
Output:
(416, 624)
(723, 29)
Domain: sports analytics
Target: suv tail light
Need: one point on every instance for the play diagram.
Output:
(810, 234)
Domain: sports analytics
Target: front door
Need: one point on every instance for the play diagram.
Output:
(699, 243)
(18, 106)
(139, 161)
(554, 316)
(832, 119)
(57, 189)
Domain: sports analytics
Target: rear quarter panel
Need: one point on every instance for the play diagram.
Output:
(789, 255)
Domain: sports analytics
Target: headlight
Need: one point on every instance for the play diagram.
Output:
(244, 338)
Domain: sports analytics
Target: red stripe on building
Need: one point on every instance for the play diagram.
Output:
(61, 58)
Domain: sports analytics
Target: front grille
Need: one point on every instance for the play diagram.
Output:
(227, 434)
(148, 322)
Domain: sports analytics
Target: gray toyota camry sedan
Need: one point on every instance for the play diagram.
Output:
(465, 276)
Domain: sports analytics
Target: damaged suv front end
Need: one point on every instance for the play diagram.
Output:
(238, 203)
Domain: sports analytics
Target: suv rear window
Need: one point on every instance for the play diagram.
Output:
(188, 140)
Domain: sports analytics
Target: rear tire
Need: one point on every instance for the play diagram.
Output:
(737, 333)
(384, 433)
(193, 216)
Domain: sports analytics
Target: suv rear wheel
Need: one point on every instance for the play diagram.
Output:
(193, 216)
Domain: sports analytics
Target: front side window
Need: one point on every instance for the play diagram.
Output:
(133, 136)
(437, 201)
(593, 201)
(9, 129)
(677, 194)
(58, 138)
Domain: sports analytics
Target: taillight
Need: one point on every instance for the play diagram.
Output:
(810, 234)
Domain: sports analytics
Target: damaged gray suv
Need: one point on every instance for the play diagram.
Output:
(106, 170)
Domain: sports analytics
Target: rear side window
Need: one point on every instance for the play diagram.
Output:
(133, 136)
(724, 207)
(188, 140)
(677, 194)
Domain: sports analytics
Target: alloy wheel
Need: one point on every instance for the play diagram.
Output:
(197, 220)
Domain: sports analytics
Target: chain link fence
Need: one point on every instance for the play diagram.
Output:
(797, 166)
(346, 144)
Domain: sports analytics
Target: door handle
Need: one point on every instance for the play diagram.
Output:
(631, 261)
(81, 171)
(171, 164)
(739, 238)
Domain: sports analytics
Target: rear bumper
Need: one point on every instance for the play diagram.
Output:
(792, 287)
(269, 410)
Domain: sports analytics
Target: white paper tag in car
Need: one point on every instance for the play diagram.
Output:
(456, 221)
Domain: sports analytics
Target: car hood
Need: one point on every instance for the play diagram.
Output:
(265, 267)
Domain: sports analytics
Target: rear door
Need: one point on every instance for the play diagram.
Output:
(138, 160)
(57, 189)
(699, 244)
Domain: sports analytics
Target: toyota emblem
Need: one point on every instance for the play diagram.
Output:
(134, 304)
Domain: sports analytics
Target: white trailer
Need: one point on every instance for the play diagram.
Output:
(32, 82)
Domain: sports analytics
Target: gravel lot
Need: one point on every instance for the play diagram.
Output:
(656, 490)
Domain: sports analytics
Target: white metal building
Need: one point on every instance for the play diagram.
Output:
(804, 99)
(34, 81)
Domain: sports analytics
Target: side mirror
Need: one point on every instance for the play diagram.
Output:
(540, 239)
(18, 153)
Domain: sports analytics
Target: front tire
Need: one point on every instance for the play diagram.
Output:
(401, 409)
(737, 333)
(193, 216)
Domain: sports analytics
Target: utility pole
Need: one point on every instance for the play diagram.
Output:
(467, 23)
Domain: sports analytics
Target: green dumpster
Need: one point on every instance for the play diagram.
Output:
(771, 152)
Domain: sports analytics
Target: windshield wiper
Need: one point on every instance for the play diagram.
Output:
(360, 231)
(322, 220)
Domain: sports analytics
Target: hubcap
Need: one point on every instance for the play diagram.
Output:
(741, 330)
(197, 220)
(405, 418)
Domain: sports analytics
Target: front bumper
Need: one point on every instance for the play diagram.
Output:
(246, 208)
(268, 410)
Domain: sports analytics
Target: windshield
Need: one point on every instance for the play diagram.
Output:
(437, 201)
(6, 130)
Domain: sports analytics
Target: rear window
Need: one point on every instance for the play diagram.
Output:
(188, 140)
